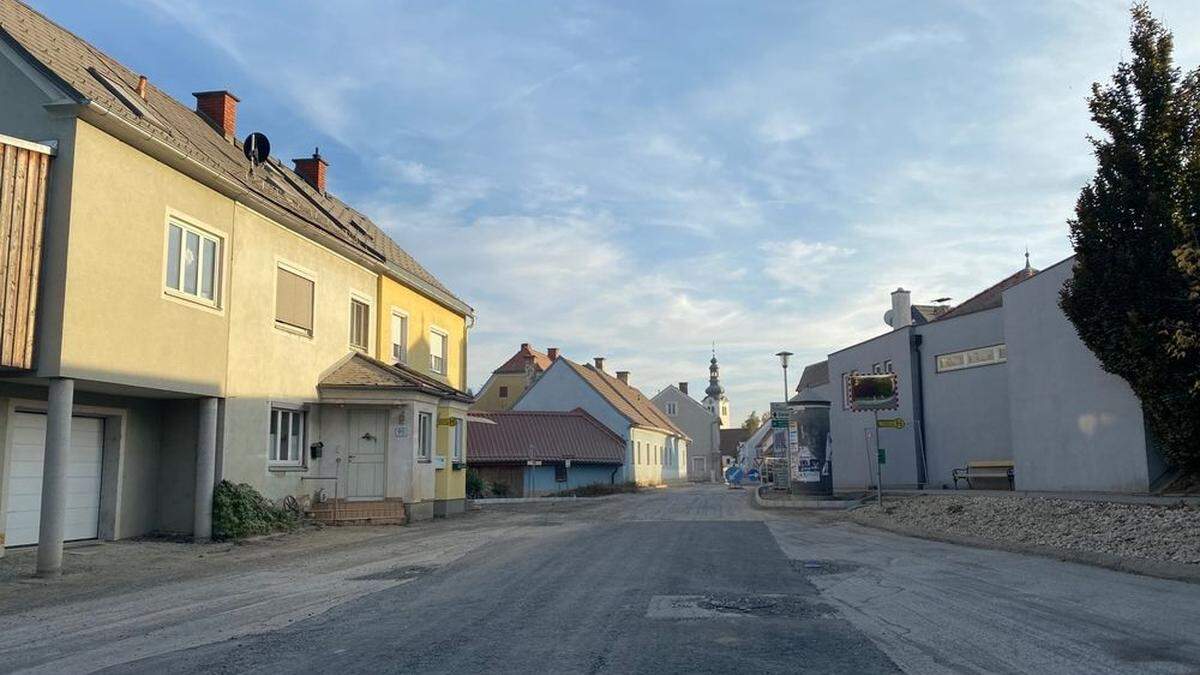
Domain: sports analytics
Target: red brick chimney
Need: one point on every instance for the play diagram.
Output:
(552, 353)
(623, 375)
(220, 109)
(312, 170)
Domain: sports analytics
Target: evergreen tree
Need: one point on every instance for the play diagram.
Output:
(1135, 294)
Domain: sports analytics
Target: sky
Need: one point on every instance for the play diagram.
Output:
(641, 180)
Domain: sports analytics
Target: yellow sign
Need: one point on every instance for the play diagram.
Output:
(894, 423)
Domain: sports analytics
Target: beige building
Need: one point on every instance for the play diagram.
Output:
(193, 316)
(508, 382)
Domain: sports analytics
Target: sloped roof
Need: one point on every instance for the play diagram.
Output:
(680, 394)
(730, 439)
(630, 402)
(75, 66)
(545, 436)
(359, 371)
(516, 363)
(990, 297)
(926, 313)
(814, 375)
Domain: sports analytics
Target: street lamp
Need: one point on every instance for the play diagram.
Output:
(783, 361)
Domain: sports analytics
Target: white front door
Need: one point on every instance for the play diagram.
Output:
(23, 516)
(367, 459)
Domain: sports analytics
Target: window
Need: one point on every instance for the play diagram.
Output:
(360, 324)
(460, 424)
(887, 366)
(971, 358)
(560, 473)
(503, 391)
(877, 369)
(287, 437)
(399, 337)
(639, 452)
(424, 436)
(193, 263)
(672, 408)
(437, 351)
(293, 301)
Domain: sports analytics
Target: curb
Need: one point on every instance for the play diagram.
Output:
(500, 501)
(1149, 568)
(813, 505)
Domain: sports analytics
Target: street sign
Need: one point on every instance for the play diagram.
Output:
(882, 456)
(894, 423)
(780, 415)
(534, 462)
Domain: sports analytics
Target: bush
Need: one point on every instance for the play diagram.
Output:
(239, 511)
(499, 489)
(475, 484)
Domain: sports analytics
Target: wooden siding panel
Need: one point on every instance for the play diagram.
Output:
(23, 176)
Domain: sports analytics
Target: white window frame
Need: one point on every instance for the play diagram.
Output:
(203, 233)
(356, 296)
(276, 414)
(445, 356)
(281, 264)
(398, 313)
(458, 440)
(984, 356)
(425, 433)
(672, 408)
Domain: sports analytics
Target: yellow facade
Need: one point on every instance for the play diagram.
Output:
(425, 320)
(490, 400)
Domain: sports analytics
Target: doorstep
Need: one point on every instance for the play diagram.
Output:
(373, 512)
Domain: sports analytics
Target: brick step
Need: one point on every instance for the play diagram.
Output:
(388, 511)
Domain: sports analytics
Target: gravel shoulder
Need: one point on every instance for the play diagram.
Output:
(1156, 540)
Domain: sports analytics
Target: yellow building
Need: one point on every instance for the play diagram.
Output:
(508, 382)
(198, 316)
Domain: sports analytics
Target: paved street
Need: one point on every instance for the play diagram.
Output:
(688, 579)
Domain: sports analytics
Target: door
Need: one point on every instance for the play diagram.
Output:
(699, 468)
(25, 478)
(366, 461)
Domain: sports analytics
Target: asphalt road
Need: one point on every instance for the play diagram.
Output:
(680, 580)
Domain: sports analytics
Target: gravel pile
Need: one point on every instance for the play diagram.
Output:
(1166, 533)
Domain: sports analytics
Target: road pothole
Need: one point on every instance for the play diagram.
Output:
(731, 605)
(396, 573)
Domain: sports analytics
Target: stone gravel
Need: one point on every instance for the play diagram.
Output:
(1151, 532)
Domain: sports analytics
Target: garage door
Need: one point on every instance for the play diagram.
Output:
(25, 479)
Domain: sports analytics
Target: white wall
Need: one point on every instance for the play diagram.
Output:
(1074, 426)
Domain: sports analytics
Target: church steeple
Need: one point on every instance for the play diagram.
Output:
(715, 400)
(715, 390)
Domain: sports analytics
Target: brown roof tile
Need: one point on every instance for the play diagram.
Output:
(545, 436)
(516, 363)
(359, 371)
(630, 402)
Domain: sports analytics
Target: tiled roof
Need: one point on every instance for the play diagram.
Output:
(516, 363)
(926, 313)
(74, 65)
(731, 437)
(359, 371)
(814, 375)
(989, 298)
(545, 436)
(630, 402)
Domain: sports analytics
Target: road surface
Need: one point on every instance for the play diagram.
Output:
(680, 580)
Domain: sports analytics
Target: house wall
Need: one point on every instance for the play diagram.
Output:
(691, 417)
(966, 411)
(423, 315)
(117, 323)
(489, 400)
(650, 470)
(1074, 426)
(536, 481)
(561, 389)
(450, 484)
(853, 432)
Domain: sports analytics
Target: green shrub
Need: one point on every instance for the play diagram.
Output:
(598, 490)
(475, 485)
(499, 489)
(239, 511)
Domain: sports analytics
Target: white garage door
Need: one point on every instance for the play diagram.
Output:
(25, 479)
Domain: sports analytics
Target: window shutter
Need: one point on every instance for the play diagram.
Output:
(294, 300)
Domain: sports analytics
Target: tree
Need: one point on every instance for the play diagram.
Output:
(751, 422)
(1135, 297)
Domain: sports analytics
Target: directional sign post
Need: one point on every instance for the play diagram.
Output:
(894, 423)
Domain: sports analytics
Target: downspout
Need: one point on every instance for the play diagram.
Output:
(612, 477)
(915, 340)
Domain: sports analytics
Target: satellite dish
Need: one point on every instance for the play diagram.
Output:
(887, 317)
(257, 148)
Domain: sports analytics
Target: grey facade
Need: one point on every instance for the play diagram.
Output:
(704, 452)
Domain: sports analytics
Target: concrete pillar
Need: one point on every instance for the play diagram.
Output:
(54, 477)
(206, 469)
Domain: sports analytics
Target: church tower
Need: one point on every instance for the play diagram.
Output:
(715, 400)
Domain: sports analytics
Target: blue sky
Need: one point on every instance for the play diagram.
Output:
(637, 180)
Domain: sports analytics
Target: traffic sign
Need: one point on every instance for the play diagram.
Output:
(893, 423)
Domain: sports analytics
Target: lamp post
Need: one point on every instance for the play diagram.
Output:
(783, 361)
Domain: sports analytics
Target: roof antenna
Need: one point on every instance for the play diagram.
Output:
(1027, 266)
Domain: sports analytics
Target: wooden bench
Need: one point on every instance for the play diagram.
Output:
(984, 470)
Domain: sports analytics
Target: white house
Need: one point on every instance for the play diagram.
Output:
(699, 424)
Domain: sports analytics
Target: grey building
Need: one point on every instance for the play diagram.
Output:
(704, 459)
(999, 377)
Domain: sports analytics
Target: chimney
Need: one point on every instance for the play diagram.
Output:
(552, 353)
(141, 92)
(901, 308)
(219, 107)
(524, 345)
(599, 361)
(683, 387)
(623, 375)
(312, 170)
